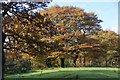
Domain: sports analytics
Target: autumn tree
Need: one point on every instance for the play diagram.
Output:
(73, 25)
(24, 27)
(20, 9)
(109, 46)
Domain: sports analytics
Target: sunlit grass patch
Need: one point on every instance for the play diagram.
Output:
(80, 72)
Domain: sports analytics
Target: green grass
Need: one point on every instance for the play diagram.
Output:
(79, 72)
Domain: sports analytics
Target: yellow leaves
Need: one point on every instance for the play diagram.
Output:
(16, 26)
(96, 45)
(43, 39)
(43, 29)
(78, 47)
(23, 54)
(16, 45)
(91, 14)
(112, 51)
(110, 32)
(23, 34)
(56, 53)
(59, 37)
(37, 28)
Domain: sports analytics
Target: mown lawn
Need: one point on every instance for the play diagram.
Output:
(78, 72)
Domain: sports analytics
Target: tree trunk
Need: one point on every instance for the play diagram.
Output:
(90, 62)
(48, 62)
(62, 62)
(111, 62)
(3, 56)
(84, 61)
(106, 63)
(80, 60)
(76, 57)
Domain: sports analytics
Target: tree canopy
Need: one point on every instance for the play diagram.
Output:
(56, 35)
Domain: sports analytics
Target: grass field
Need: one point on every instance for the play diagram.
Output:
(78, 72)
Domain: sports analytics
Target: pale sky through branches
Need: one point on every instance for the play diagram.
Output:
(106, 10)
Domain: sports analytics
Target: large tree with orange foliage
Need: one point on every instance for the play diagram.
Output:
(73, 27)
(23, 29)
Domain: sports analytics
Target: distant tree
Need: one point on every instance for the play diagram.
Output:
(109, 45)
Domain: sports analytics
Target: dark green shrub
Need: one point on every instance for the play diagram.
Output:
(17, 66)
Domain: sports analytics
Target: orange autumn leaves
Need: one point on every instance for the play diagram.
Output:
(55, 30)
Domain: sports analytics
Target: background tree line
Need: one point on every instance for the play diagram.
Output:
(39, 37)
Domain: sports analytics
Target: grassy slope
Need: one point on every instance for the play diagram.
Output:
(80, 72)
